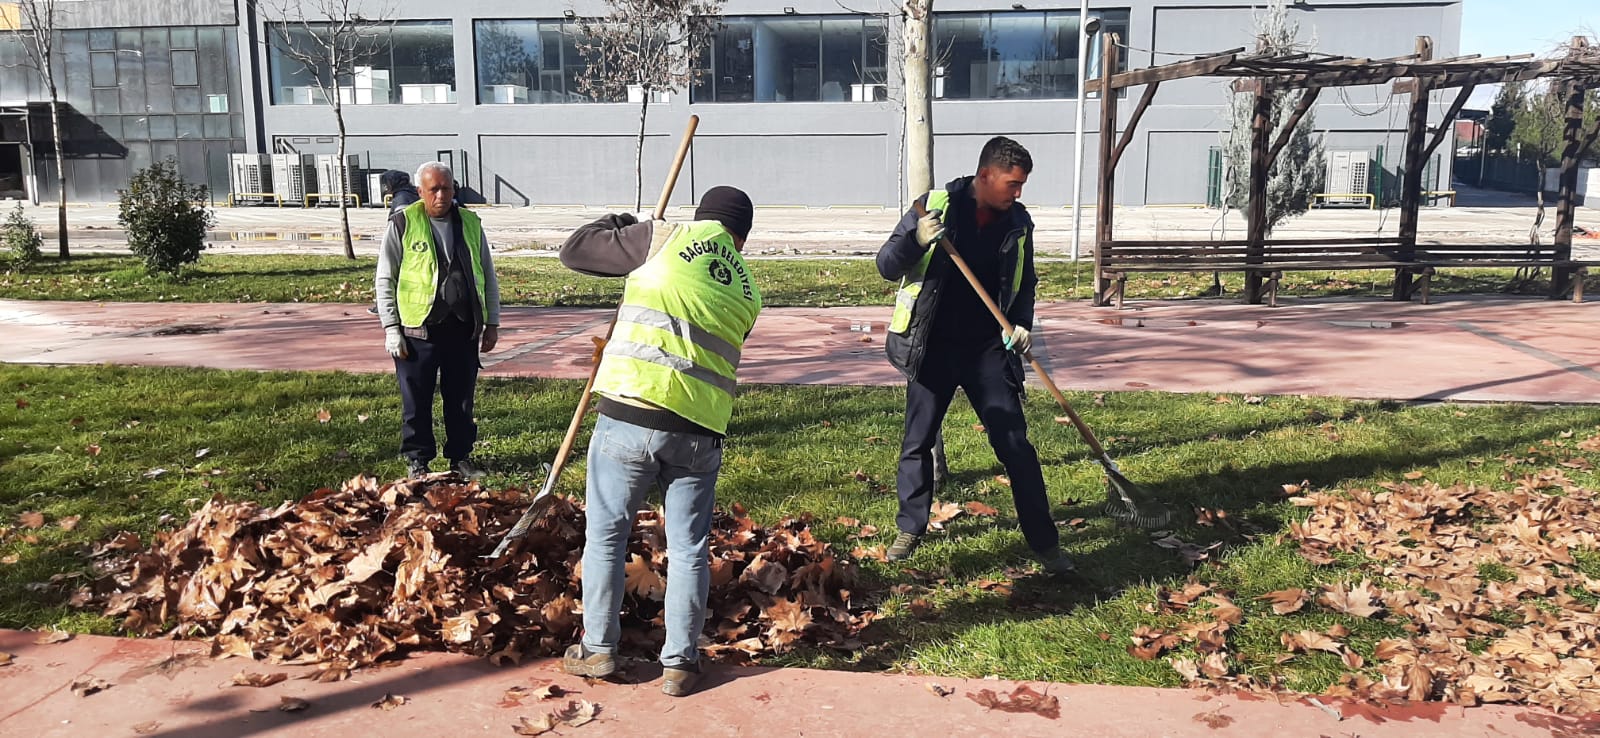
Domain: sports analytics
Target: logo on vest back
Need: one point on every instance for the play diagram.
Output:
(724, 269)
(721, 272)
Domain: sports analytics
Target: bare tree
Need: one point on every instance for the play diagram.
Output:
(328, 38)
(35, 30)
(916, 45)
(644, 47)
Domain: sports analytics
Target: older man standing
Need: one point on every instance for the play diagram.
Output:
(439, 302)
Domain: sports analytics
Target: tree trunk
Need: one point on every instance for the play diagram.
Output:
(344, 210)
(61, 176)
(919, 97)
(638, 155)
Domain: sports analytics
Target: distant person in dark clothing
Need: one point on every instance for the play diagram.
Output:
(397, 185)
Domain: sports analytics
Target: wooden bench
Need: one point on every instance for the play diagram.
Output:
(1115, 260)
(1432, 258)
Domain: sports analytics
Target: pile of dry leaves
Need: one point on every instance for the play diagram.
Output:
(1483, 581)
(344, 578)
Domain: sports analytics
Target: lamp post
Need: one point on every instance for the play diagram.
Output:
(1086, 28)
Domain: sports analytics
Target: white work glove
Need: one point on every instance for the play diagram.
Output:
(1019, 341)
(395, 342)
(930, 228)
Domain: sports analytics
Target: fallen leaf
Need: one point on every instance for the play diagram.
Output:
(31, 520)
(146, 728)
(52, 636)
(977, 508)
(1215, 719)
(1356, 601)
(21, 403)
(576, 713)
(93, 449)
(1415, 474)
(362, 418)
(202, 453)
(5, 658)
(1286, 601)
(10, 559)
(848, 522)
(1020, 700)
(938, 689)
(1002, 480)
(323, 415)
(153, 473)
(69, 522)
(292, 704)
(389, 702)
(255, 679)
(89, 684)
(535, 726)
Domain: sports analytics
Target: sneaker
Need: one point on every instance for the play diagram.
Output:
(677, 681)
(903, 545)
(416, 469)
(466, 469)
(373, 309)
(1057, 563)
(579, 661)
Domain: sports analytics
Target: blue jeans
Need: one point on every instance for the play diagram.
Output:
(625, 461)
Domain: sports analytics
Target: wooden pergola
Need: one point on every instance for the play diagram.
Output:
(1416, 75)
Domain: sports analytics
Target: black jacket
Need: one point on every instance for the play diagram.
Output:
(900, 255)
(398, 184)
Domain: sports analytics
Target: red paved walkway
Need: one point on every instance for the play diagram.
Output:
(170, 690)
(1475, 349)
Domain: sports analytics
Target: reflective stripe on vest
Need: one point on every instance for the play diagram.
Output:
(418, 281)
(905, 301)
(681, 327)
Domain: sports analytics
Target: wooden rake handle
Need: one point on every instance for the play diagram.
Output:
(600, 343)
(1005, 325)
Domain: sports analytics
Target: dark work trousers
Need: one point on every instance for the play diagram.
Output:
(981, 371)
(449, 361)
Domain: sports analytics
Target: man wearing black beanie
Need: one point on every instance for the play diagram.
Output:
(666, 386)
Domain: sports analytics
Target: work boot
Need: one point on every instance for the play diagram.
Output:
(466, 469)
(903, 545)
(579, 661)
(416, 468)
(677, 681)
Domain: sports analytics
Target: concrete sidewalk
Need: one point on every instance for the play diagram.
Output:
(172, 690)
(1464, 349)
(823, 231)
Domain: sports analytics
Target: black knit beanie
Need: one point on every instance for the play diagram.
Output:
(728, 206)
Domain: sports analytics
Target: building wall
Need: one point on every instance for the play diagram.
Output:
(785, 153)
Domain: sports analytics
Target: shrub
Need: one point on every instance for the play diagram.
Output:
(20, 239)
(166, 217)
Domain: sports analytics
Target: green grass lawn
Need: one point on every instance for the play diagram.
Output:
(543, 281)
(88, 442)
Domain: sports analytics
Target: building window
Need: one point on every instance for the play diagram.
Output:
(528, 61)
(412, 63)
(216, 103)
(103, 69)
(1016, 55)
(783, 59)
(185, 69)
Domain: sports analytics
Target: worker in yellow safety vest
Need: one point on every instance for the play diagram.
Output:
(665, 391)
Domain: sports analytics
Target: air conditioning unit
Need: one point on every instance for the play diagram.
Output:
(636, 95)
(431, 94)
(1347, 174)
(504, 94)
(250, 173)
(293, 175)
(327, 166)
(869, 93)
